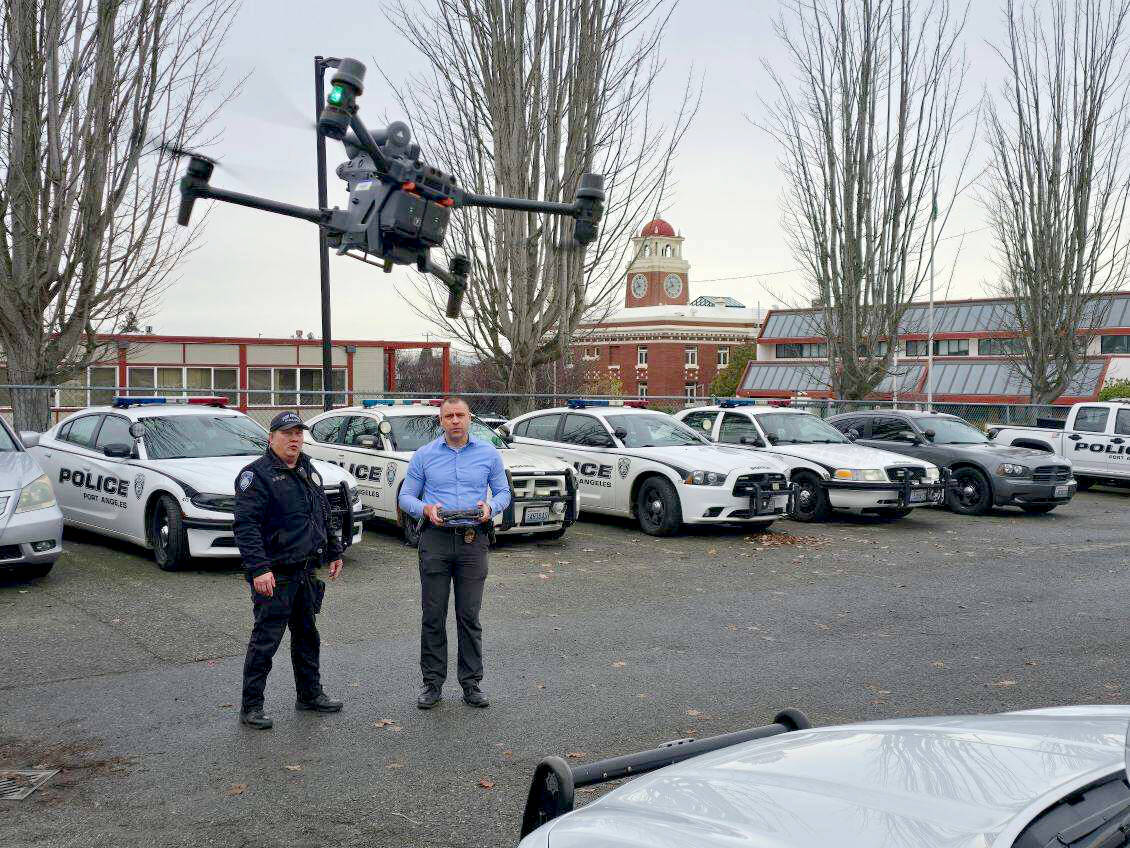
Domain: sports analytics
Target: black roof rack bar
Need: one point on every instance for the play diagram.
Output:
(554, 781)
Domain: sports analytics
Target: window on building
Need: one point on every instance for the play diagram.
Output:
(75, 394)
(140, 379)
(690, 355)
(1000, 347)
(880, 349)
(795, 350)
(642, 391)
(291, 386)
(641, 355)
(942, 347)
(723, 357)
(1114, 344)
(690, 391)
(259, 383)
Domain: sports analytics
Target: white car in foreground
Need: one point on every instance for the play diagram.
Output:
(633, 462)
(837, 473)
(1033, 779)
(375, 442)
(161, 472)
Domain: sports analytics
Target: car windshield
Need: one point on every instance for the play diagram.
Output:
(192, 436)
(7, 443)
(783, 428)
(412, 432)
(951, 431)
(654, 431)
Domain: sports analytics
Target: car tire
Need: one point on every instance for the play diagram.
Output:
(810, 503)
(657, 507)
(166, 530)
(893, 513)
(970, 493)
(1082, 484)
(1038, 509)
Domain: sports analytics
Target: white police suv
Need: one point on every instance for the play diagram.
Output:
(632, 461)
(160, 472)
(375, 442)
(832, 472)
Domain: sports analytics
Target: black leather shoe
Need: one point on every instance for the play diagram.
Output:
(321, 704)
(256, 719)
(473, 696)
(429, 697)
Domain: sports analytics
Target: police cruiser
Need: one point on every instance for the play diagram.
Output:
(375, 442)
(635, 462)
(160, 472)
(837, 474)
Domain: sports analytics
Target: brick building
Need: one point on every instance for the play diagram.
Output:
(661, 342)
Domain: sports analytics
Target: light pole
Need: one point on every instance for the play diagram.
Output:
(320, 65)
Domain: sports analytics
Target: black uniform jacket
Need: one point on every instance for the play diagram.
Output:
(280, 518)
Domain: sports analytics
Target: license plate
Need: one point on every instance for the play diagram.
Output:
(918, 497)
(1061, 491)
(539, 515)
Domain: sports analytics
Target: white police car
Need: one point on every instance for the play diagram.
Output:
(375, 442)
(837, 474)
(161, 472)
(1046, 778)
(632, 461)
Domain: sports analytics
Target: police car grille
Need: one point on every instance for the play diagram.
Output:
(899, 473)
(743, 486)
(537, 487)
(1051, 474)
(9, 552)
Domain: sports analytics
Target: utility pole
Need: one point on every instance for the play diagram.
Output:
(930, 308)
(320, 65)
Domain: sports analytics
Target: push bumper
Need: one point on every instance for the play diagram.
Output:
(562, 510)
(717, 505)
(25, 532)
(1012, 492)
(215, 537)
(851, 494)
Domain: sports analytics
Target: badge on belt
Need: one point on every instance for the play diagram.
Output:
(469, 535)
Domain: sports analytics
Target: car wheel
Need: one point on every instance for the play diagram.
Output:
(1082, 484)
(411, 530)
(969, 493)
(170, 539)
(657, 507)
(810, 502)
(1037, 509)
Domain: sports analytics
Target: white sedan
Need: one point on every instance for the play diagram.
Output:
(160, 472)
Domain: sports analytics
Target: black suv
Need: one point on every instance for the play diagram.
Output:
(983, 474)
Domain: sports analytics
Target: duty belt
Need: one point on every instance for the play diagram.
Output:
(466, 531)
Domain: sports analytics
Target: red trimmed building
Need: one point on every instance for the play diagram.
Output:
(662, 343)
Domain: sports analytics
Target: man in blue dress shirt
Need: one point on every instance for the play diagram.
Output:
(453, 473)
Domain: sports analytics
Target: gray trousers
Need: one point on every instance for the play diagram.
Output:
(446, 563)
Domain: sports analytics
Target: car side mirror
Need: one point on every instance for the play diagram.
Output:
(909, 436)
(29, 438)
(752, 440)
(930, 434)
(852, 434)
(620, 433)
(367, 442)
(137, 429)
(504, 434)
(118, 451)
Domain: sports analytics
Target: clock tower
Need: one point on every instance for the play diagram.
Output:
(657, 276)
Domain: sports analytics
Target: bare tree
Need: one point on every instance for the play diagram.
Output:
(864, 118)
(86, 239)
(523, 97)
(1058, 181)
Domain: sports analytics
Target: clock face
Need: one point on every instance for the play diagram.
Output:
(673, 285)
(639, 286)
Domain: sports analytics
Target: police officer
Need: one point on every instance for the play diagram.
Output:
(282, 528)
(452, 473)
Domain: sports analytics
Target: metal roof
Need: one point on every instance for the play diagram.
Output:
(720, 300)
(984, 316)
(997, 377)
(909, 377)
(785, 378)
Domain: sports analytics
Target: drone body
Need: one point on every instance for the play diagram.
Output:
(399, 206)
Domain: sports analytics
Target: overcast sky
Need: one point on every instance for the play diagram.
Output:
(257, 274)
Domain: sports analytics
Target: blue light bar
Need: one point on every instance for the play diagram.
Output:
(371, 402)
(582, 403)
(730, 403)
(124, 401)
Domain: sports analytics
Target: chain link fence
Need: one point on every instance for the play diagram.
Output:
(263, 405)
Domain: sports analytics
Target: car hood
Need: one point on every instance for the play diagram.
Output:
(989, 453)
(216, 474)
(958, 782)
(846, 456)
(516, 459)
(17, 469)
(719, 458)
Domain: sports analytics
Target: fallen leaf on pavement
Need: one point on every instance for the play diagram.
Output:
(619, 664)
(384, 722)
(576, 755)
(693, 712)
(238, 789)
(394, 765)
(938, 664)
(293, 768)
(1000, 684)
(486, 784)
(508, 755)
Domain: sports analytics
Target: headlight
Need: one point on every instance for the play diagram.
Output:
(933, 475)
(705, 478)
(216, 503)
(1007, 469)
(36, 495)
(867, 475)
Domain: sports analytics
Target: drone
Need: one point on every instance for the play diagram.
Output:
(399, 206)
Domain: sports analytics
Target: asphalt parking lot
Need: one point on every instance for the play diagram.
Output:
(605, 642)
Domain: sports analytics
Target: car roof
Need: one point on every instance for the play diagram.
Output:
(600, 411)
(749, 407)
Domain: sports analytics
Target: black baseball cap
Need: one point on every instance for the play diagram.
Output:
(286, 420)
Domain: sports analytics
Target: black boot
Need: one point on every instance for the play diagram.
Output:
(256, 719)
(320, 704)
(473, 696)
(429, 697)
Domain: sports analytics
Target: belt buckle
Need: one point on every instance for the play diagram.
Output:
(469, 535)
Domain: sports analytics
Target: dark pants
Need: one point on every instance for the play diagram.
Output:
(447, 561)
(292, 605)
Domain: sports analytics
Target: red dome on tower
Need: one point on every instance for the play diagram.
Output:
(658, 227)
